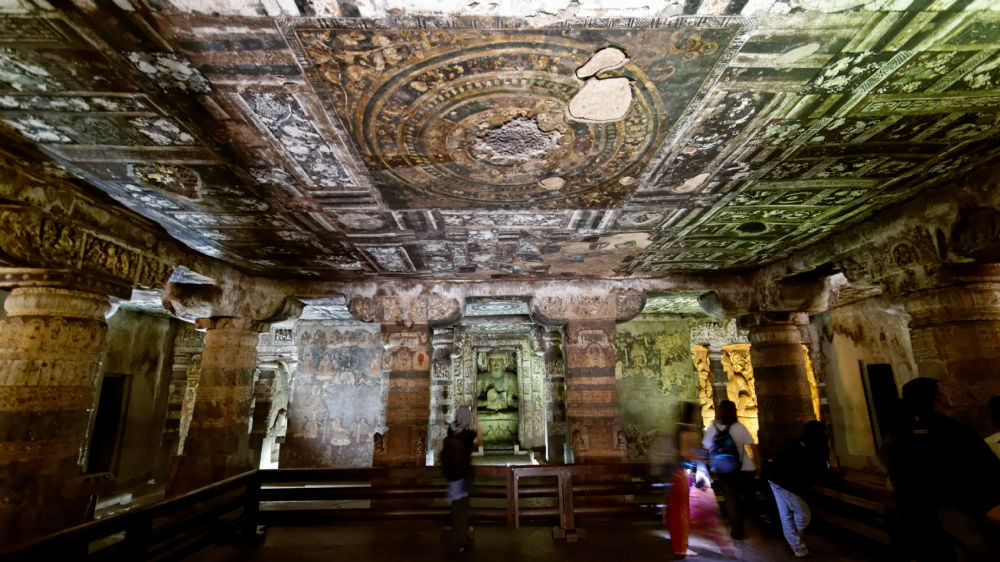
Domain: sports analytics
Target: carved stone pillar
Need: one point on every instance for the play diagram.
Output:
(591, 396)
(719, 379)
(783, 395)
(557, 429)
(740, 385)
(51, 342)
(443, 343)
(706, 386)
(217, 442)
(955, 336)
(406, 363)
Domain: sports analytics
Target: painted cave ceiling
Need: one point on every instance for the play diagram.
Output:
(445, 139)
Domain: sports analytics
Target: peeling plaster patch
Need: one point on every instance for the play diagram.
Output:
(38, 130)
(600, 101)
(516, 140)
(163, 132)
(25, 76)
(170, 72)
(292, 127)
(608, 58)
(553, 183)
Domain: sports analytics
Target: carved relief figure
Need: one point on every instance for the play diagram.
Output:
(706, 392)
(740, 384)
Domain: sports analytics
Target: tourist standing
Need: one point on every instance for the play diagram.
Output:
(678, 511)
(802, 463)
(731, 464)
(464, 434)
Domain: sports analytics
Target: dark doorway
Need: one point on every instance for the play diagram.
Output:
(882, 397)
(106, 436)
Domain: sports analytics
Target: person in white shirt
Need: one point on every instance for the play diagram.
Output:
(994, 440)
(736, 487)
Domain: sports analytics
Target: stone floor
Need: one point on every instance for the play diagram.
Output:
(604, 541)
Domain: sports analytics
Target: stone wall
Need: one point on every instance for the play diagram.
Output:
(139, 347)
(653, 374)
(872, 331)
(337, 400)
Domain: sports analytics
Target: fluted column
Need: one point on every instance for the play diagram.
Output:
(784, 402)
(955, 336)
(51, 343)
(217, 441)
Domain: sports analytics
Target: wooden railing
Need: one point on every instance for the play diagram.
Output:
(165, 530)
(173, 528)
(291, 495)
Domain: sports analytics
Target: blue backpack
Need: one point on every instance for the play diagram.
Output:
(724, 456)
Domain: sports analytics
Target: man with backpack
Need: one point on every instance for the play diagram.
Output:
(464, 434)
(731, 467)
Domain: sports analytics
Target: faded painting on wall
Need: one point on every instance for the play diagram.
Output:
(654, 373)
(338, 396)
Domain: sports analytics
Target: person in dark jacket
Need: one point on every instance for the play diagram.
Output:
(464, 434)
(801, 464)
(946, 481)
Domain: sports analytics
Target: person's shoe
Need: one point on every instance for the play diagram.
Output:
(801, 553)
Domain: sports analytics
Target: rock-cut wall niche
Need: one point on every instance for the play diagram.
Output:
(337, 400)
(654, 373)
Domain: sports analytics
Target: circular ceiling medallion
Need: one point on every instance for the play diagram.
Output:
(488, 124)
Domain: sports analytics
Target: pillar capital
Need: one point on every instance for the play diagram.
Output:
(53, 301)
(256, 303)
(561, 308)
(966, 293)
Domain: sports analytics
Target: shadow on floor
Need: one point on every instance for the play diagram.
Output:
(604, 541)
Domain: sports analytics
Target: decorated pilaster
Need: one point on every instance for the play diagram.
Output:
(591, 396)
(706, 387)
(740, 385)
(443, 344)
(406, 323)
(783, 395)
(557, 430)
(955, 335)
(51, 345)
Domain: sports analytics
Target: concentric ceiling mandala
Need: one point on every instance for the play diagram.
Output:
(471, 118)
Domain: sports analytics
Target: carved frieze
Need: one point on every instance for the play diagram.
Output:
(29, 237)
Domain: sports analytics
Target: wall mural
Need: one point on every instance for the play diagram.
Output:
(653, 374)
(338, 396)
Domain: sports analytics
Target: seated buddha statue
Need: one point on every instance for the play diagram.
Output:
(496, 389)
